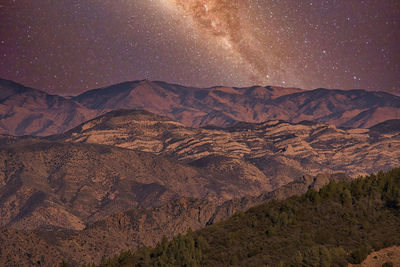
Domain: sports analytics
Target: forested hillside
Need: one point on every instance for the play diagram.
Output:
(340, 224)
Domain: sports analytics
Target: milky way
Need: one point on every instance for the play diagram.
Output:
(232, 29)
(69, 46)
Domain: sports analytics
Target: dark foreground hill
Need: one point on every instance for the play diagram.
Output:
(341, 223)
(27, 111)
(133, 229)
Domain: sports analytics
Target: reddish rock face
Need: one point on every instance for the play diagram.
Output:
(96, 169)
(273, 152)
(26, 111)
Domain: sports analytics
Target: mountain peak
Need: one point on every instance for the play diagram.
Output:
(9, 88)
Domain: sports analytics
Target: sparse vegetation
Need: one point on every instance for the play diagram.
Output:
(340, 224)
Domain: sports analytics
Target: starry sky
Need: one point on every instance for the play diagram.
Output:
(70, 46)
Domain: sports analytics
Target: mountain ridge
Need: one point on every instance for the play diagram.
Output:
(303, 148)
(33, 113)
(25, 110)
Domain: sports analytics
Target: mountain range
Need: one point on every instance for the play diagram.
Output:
(126, 159)
(27, 111)
(117, 168)
(135, 176)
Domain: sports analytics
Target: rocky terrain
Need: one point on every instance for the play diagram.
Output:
(379, 258)
(126, 178)
(27, 111)
(123, 179)
(339, 224)
(126, 159)
(389, 126)
(49, 185)
(133, 229)
(272, 153)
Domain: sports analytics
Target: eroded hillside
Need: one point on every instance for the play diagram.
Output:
(274, 151)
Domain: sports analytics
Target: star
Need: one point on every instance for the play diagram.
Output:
(90, 44)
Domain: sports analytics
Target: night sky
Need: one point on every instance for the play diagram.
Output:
(69, 46)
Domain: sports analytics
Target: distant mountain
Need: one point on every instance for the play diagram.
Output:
(272, 153)
(192, 106)
(223, 106)
(25, 110)
(353, 108)
(28, 111)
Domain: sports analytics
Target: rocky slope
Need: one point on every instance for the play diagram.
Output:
(126, 159)
(58, 185)
(26, 111)
(379, 258)
(132, 229)
(273, 151)
(339, 224)
(389, 126)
